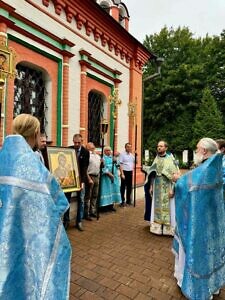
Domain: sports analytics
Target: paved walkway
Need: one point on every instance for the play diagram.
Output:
(118, 258)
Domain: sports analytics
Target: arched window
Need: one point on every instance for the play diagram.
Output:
(30, 93)
(95, 115)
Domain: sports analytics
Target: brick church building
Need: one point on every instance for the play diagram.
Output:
(74, 64)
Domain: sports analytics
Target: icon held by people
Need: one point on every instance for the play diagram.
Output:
(63, 165)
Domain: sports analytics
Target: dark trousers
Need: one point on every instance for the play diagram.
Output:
(126, 184)
(148, 202)
(66, 217)
(80, 207)
(91, 195)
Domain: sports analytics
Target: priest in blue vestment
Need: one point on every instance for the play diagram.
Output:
(199, 242)
(34, 249)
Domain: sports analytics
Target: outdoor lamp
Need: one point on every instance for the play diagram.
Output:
(158, 62)
(104, 126)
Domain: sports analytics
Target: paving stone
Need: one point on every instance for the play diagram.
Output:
(117, 258)
(141, 287)
(79, 293)
(156, 294)
(139, 277)
(122, 297)
(74, 288)
(127, 291)
(107, 293)
(123, 279)
(90, 296)
(141, 296)
(121, 270)
(110, 283)
(88, 284)
(89, 274)
(104, 271)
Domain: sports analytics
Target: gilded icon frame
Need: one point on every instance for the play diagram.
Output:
(63, 165)
(6, 62)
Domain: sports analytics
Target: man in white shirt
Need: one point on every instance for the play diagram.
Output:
(126, 160)
(91, 190)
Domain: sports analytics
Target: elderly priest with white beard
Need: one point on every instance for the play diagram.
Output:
(199, 242)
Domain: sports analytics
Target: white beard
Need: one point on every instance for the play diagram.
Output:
(198, 159)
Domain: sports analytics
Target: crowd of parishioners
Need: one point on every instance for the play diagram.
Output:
(32, 204)
(99, 192)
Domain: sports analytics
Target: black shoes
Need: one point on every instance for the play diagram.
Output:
(88, 218)
(123, 204)
(79, 227)
(93, 215)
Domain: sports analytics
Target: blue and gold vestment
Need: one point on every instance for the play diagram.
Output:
(34, 249)
(200, 229)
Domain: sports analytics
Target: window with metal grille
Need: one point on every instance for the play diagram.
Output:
(30, 94)
(95, 115)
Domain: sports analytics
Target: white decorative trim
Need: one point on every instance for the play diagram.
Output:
(65, 126)
(51, 261)
(83, 73)
(25, 184)
(3, 34)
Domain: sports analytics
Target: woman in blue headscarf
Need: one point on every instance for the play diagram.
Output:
(110, 185)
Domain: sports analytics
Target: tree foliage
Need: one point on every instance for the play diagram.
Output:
(171, 103)
(208, 120)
